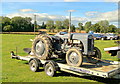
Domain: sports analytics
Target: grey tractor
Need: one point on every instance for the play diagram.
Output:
(69, 46)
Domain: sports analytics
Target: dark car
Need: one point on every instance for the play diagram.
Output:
(103, 37)
(96, 36)
(99, 37)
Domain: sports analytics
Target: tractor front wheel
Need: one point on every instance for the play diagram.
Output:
(74, 57)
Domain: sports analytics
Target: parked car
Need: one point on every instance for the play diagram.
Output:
(111, 36)
(118, 37)
(103, 37)
(99, 37)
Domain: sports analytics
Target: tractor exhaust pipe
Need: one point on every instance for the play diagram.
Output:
(69, 30)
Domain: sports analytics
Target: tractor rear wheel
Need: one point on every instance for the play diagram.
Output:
(95, 58)
(74, 57)
(42, 47)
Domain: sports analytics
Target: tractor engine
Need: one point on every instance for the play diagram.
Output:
(84, 42)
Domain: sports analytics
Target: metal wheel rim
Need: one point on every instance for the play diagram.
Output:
(49, 70)
(40, 48)
(73, 58)
(33, 66)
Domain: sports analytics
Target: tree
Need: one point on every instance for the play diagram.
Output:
(112, 28)
(72, 28)
(8, 28)
(28, 24)
(95, 27)
(0, 27)
(80, 26)
(28, 20)
(66, 24)
(22, 24)
(87, 26)
(50, 25)
(118, 30)
(104, 24)
(18, 23)
(58, 25)
(43, 26)
(4, 21)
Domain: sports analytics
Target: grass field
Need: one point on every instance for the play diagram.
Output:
(18, 71)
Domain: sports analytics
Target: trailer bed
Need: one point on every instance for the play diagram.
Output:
(102, 69)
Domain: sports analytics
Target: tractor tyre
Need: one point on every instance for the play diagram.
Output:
(74, 57)
(42, 47)
(95, 58)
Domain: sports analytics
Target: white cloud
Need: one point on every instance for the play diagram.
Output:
(97, 16)
(71, 0)
(41, 17)
(111, 16)
(27, 10)
(92, 14)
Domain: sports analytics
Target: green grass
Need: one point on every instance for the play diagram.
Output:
(104, 44)
(18, 71)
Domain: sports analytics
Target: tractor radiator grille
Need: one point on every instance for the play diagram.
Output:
(90, 44)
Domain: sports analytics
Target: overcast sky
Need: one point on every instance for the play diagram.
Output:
(57, 10)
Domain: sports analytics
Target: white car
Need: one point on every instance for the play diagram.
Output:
(111, 36)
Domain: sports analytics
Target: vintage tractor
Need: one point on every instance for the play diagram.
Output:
(69, 46)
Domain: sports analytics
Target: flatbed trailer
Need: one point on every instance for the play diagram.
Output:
(109, 69)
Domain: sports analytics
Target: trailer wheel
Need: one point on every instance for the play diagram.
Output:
(74, 57)
(42, 47)
(34, 65)
(50, 70)
(95, 58)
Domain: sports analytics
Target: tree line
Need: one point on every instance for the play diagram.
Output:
(100, 27)
(17, 24)
(21, 24)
